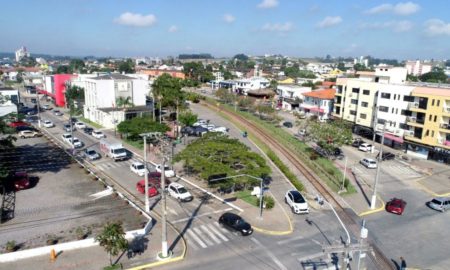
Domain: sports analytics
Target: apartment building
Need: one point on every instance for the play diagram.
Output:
(418, 68)
(290, 96)
(429, 122)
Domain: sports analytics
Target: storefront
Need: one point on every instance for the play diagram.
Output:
(427, 152)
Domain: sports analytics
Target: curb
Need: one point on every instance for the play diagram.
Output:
(427, 190)
(379, 209)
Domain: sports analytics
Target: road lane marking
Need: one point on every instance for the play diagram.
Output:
(203, 236)
(220, 227)
(173, 211)
(274, 259)
(201, 215)
(211, 226)
(196, 238)
(211, 235)
(282, 242)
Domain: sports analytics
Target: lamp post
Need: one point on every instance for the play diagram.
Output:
(375, 120)
(380, 154)
(38, 108)
(253, 177)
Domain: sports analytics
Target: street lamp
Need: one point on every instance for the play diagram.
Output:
(379, 159)
(253, 177)
(145, 135)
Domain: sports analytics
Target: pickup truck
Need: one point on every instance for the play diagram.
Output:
(115, 150)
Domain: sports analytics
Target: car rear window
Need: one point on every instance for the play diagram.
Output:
(298, 198)
(436, 202)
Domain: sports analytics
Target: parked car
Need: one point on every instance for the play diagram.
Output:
(88, 130)
(386, 156)
(369, 163)
(288, 124)
(200, 122)
(76, 142)
(18, 124)
(338, 153)
(18, 181)
(48, 124)
(396, 206)
(20, 128)
(46, 107)
(209, 127)
(200, 131)
(138, 168)
(66, 137)
(188, 130)
(296, 202)
(236, 223)
(29, 134)
(91, 154)
(152, 190)
(365, 147)
(302, 132)
(80, 125)
(57, 112)
(223, 130)
(357, 142)
(98, 134)
(67, 127)
(179, 192)
(31, 119)
(440, 204)
(168, 172)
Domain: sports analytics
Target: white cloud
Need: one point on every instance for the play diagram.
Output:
(329, 21)
(228, 18)
(436, 27)
(406, 8)
(173, 29)
(135, 19)
(277, 27)
(395, 26)
(268, 4)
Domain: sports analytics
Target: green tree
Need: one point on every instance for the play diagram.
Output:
(437, 75)
(187, 118)
(241, 57)
(264, 110)
(341, 66)
(412, 78)
(167, 91)
(310, 84)
(331, 135)
(74, 94)
(77, 66)
(225, 95)
(126, 66)
(123, 103)
(62, 70)
(137, 125)
(112, 239)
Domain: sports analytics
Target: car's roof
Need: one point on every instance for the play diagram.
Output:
(232, 215)
(177, 185)
(369, 159)
(138, 163)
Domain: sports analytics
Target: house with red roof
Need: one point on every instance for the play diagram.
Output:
(319, 102)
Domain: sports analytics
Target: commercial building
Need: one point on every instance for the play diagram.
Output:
(418, 68)
(21, 53)
(55, 87)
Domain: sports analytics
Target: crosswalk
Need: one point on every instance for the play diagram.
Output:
(207, 235)
(105, 166)
(391, 168)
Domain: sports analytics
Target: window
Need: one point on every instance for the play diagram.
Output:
(381, 121)
(427, 133)
(355, 90)
(352, 112)
(435, 118)
(432, 133)
(392, 111)
(403, 126)
(354, 101)
(395, 96)
(432, 102)
(363, 116)
(396, 111)
(406, 113)
(383, 109)
(429, 117)
(408, 98)
(438, 103)
(386, 95)
(366, 92)
(364, 104)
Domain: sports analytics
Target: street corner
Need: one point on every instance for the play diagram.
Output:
(380, 205)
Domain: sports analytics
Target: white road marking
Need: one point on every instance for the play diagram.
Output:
(282, 242)
(173, 211)
(211, 235)
(274, 259)
(220, 227)
(203, 236)
(191, 243)
(201, 215)
(197, 239)
(217, 232)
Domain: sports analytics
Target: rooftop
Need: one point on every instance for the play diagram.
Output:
(321, 94)
(113, 76)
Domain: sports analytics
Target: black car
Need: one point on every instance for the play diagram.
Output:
(88, 130)
(236, 223)
(386, 156)
(199, 131)
(338, 153)
(188, 130)
(357, 142)
(288, 124)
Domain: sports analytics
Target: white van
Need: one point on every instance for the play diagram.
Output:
(440, 204)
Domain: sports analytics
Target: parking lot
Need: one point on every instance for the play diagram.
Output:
(59, 200)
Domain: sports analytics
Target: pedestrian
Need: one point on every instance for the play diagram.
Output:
(402, 263)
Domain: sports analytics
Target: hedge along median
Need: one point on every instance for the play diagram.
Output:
(323, 167)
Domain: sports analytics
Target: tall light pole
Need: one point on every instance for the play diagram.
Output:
(380, 154)
(145, 135)
(164, 250)
(375, 120)
(38, 108)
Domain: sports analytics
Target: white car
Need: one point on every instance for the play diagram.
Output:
(295, 200)
(76, 142)
(209, 127)
(138, 168)
(200, 122)
(80, 125)
(48, 124)
(369, 163)
(168, 172)
(98, 134)
(365, 147)
(220, 129)
(179, 192)
(66, 137)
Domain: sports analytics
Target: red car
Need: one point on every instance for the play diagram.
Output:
(17, 124)
(19, 181)
(396, 206)
(154, 183)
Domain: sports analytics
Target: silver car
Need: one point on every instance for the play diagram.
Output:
(440, 204)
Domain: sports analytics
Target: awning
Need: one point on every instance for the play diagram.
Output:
(393, 138)
(314, 109)
(43, 92)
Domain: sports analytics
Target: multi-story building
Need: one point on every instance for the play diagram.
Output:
(9, 100)
(418, 68)
(290, 96)
(319, 102)
(54, 86)
(21, 53)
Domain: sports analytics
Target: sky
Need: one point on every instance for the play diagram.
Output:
(159, 28)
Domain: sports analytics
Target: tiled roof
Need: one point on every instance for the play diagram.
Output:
(445, 92)
(328, 84)
(321, 94)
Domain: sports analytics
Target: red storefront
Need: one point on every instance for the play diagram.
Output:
(59, 87)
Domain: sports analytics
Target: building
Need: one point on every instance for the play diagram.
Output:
(102, 92)
(9, 100)
(319, 102)
(55, 87)
(290, 96)
(154, 73)
(21, 53)
(244, 85)
(362, 61)
(218, 76)
(418, 68)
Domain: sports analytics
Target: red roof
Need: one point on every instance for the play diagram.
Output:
(328, 84)
(321, 94)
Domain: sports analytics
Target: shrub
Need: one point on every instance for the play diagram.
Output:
(11, 246)
(313, 156)
(283, 168)
(268, 202)
(80, 233)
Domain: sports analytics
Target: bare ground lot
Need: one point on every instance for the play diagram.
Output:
(59, 200)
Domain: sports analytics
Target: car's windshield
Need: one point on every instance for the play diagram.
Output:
(91, 152)
(298, 198)
(240, 221)
(182, 190)
(119, 151)
(140, 167)
(166, 168)
(436, 202)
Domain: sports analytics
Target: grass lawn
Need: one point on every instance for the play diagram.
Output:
(246, 197)
(137, 144)
(87, 121)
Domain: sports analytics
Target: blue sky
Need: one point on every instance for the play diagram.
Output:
(303, 28)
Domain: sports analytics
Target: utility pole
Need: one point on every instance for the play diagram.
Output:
(147, 203)
(375, 120)
(38, 108)
(373, 202)
(164, 251)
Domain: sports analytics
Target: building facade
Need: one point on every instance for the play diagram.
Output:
(418, 68)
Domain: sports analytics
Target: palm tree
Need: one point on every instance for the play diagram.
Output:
(123, 103)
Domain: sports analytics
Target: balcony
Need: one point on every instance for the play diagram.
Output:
(413, 105)
(446, 110)
(416, 106)
(444, 142)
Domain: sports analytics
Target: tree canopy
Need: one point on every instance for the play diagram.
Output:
(187, 118)
(215, 153)
(132, 128)
(437, 75)
(112, 239)
(330, 135)
(168, 90)
(126, 66)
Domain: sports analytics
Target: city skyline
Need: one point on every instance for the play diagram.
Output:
(384, 29)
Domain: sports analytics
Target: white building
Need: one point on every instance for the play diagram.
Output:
(290, 96)
(244, 85)
(319, 67)
(362, 61)
(102, 91)
(418, 68)
(9, 99)
(21, 53)
(218, 76)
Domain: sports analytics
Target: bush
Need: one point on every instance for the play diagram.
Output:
(268, 202)
(11, 246)
(313, 156)
(292, 178)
